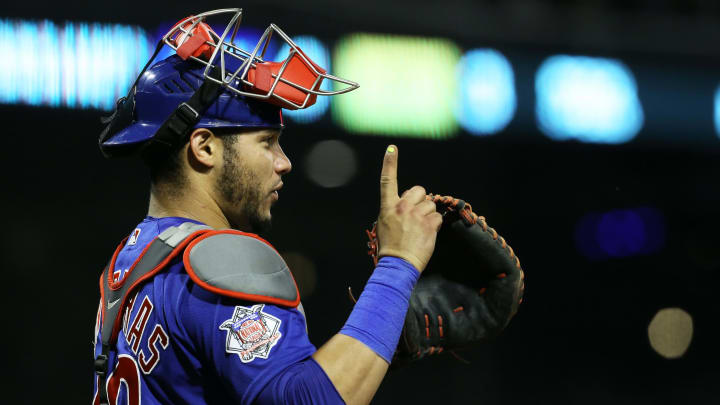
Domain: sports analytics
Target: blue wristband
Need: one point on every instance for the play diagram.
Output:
(379, 314)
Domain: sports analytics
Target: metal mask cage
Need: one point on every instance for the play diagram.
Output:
(238, 80)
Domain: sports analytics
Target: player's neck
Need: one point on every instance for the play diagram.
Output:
(191, 203)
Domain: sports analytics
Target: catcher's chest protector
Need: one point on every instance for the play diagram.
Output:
(226, 262)
(114, 298)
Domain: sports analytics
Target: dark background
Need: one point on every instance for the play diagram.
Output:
(581, 335)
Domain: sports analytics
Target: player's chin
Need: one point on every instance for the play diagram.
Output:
(266, 213)
(271, 200)
(262, 224)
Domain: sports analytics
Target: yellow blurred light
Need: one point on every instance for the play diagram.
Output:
(670, 332)
(408, 85)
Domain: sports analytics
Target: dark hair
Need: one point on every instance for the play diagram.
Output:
(165, 165)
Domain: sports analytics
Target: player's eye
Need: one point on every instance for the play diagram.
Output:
(270, 139)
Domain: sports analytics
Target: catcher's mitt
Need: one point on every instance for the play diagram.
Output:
(469, 291)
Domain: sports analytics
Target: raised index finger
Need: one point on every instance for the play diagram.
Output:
(388, 177)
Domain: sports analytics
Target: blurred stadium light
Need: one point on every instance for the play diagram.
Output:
(670, 332)
(408, 85)
(487, 92)
(331, 163)
(587, 99)
(77, 65)
(717, 110)
(318, 52)
(620, 233)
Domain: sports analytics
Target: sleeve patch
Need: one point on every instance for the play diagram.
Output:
(251, 333)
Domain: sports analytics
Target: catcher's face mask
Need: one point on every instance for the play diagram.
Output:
(236, 87)
(292, 83)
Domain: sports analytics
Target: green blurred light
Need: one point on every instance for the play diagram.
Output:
(408, 85)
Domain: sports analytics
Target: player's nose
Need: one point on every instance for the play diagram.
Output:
(282, 163)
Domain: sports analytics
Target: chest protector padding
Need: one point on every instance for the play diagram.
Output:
(241, 265)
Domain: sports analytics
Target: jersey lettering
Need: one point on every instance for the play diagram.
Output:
(126, 372)
(126, 315)
(158, 335)
(138, 326)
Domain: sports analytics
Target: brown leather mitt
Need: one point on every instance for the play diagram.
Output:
(468, 293)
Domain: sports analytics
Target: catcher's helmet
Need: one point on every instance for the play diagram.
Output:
(210, 82)
(171, 82)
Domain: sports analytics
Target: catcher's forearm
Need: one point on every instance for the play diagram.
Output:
(354, 369)
(358, 357)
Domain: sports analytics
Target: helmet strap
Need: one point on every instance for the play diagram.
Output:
(177, 127)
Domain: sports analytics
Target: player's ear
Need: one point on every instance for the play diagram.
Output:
(204, 150)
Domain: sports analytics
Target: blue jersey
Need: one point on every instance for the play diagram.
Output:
(182, 344)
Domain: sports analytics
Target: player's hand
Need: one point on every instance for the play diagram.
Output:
(408, 225)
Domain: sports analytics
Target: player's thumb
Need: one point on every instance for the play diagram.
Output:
(388, 177)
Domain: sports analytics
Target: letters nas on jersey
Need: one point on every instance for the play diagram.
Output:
(251, 333)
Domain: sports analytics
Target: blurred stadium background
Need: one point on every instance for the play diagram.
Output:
(587, 132)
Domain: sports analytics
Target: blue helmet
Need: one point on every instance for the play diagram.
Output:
(169, 83)
(211, 83)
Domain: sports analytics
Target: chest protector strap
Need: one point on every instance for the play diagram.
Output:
(114, 296)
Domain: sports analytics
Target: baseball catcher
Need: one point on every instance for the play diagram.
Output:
(196, 307)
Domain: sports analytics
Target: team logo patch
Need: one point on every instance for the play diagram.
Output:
(134, 237)
(251, 333)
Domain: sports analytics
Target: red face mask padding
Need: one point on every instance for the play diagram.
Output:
(293, 82)
(296, 71)
(195, 45)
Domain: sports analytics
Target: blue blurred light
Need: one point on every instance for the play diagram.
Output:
(717, 111)
(620, 233)
(588, 99)
(318, 53)
(78, 65)
(247, 39)
(487, 92)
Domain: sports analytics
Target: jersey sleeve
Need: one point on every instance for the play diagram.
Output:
(259, 352)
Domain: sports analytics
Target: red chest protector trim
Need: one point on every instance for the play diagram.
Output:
(227, 262)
